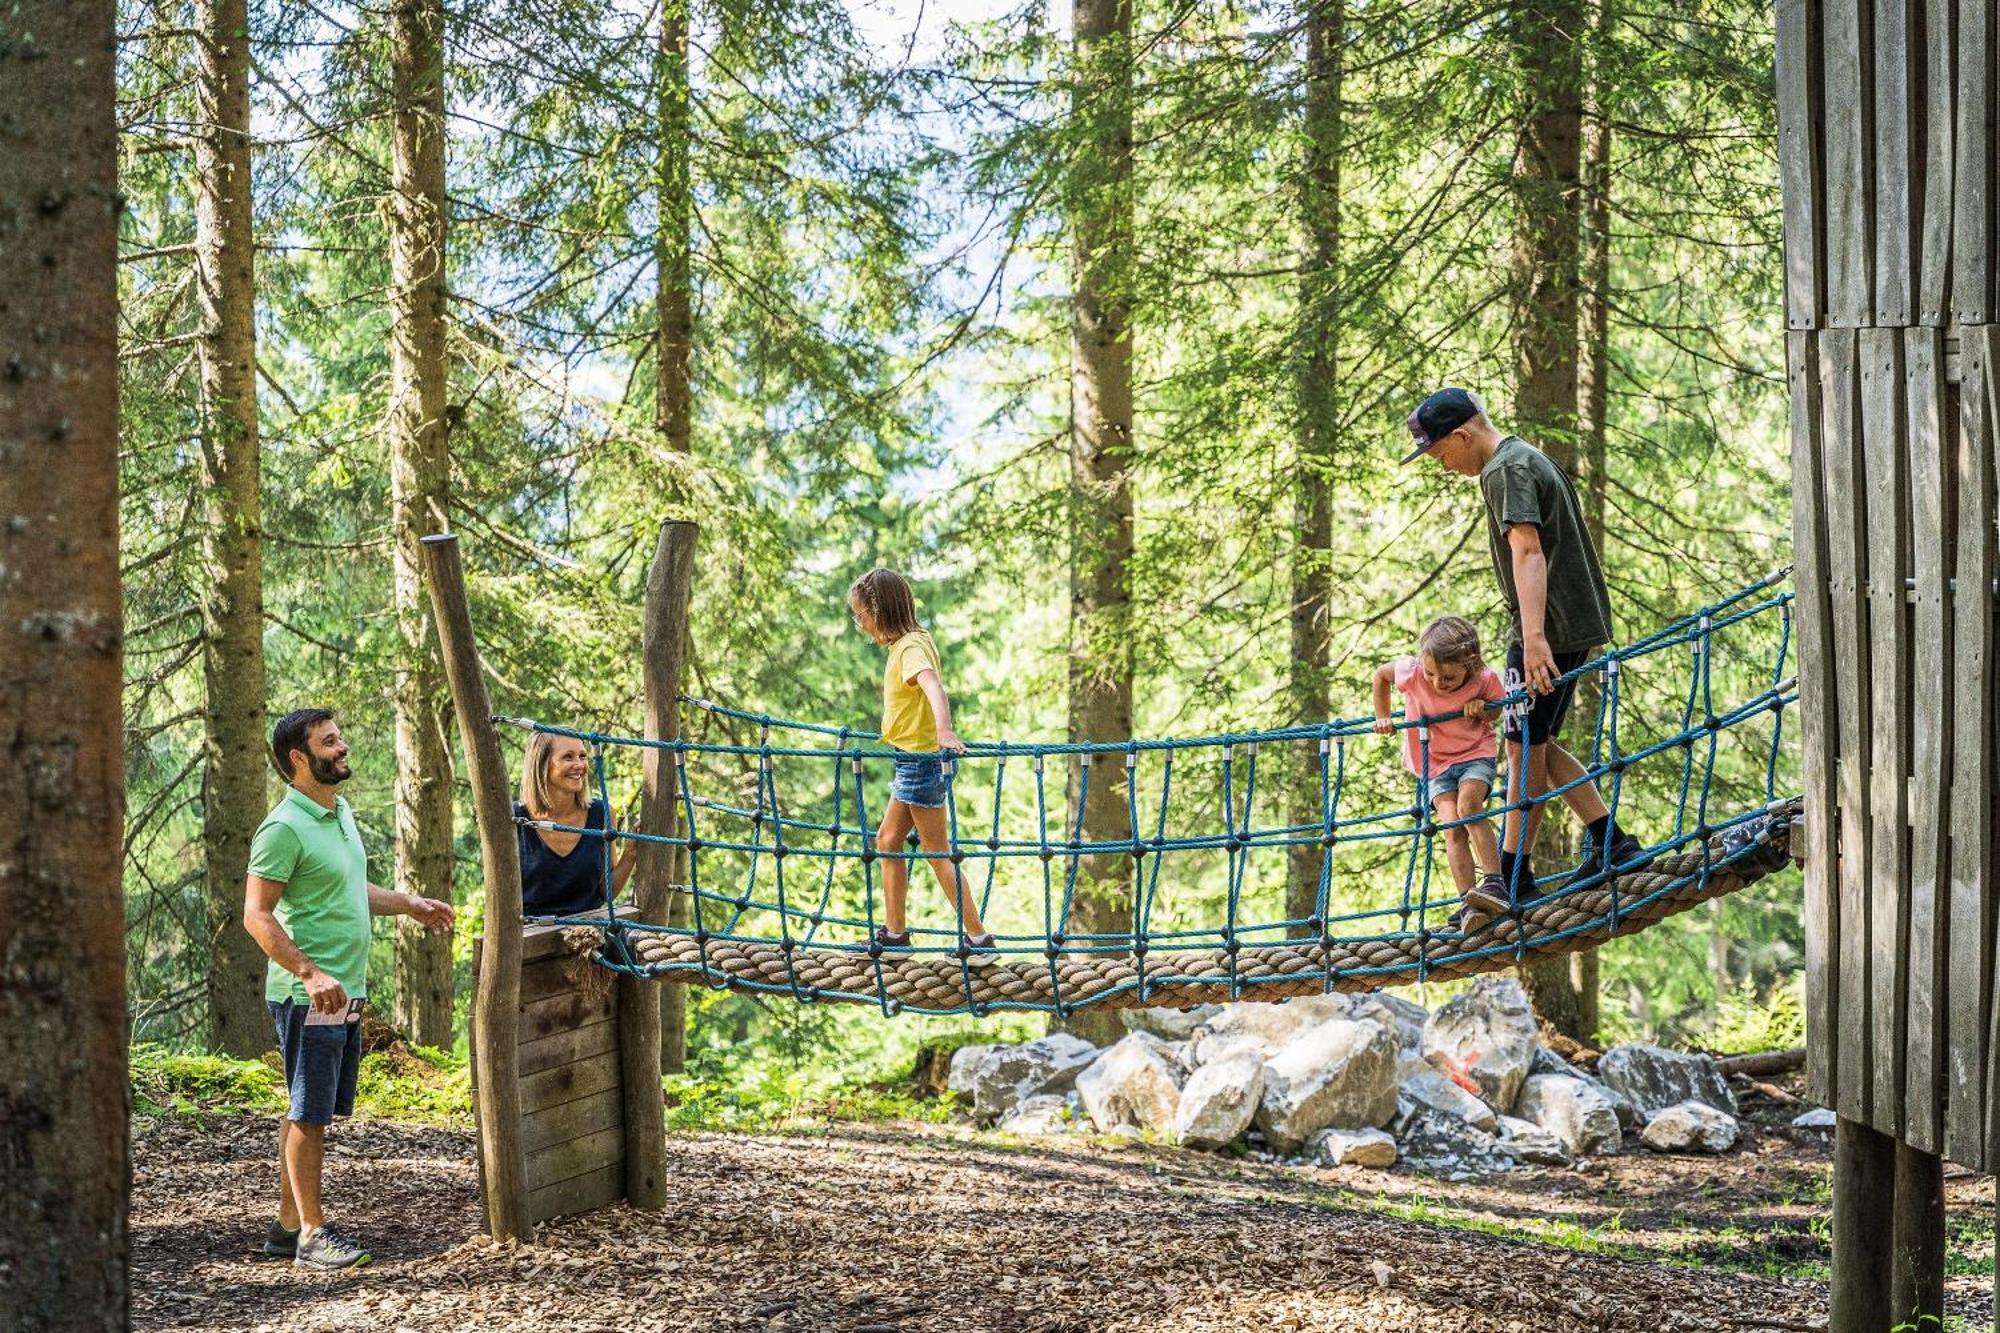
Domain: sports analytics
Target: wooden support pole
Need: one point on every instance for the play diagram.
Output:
(641, 1004)
(1916, 1266)
(1864, 1176)
(496, 999)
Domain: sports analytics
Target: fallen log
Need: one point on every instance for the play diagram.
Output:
(1763, 1062)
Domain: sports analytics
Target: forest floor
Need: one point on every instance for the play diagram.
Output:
(905, 1226)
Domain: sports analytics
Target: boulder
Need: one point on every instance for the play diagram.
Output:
(1485, 1036)
(1690, 1127)
(1135, 1083)
(1405, 1019)
(1656, 1079)
(1006, 1076)
(1432, 1089)
(1169, 1024)
(1816, 1118)
(1044, 1113)
(1576, 1113)
(1548, 1062)
(1340, 1074)
(1525, 1141)
(963, 1073)
(1218, 1100)
(1351, 1147)
(1260, 1028)
(1445, 1145)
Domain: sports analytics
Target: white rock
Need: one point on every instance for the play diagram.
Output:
(1351, 1147)
(1006, 1076)
(1656, 1078)
(1134, 1083)
(1169, 1024)
(1218, 1101)
(1576, 1113)
(1432, 1089)
(963, 1074)
(1817, 1118)
(1486, 1035)
(1339, 1074)
(1525, 1141)
(1261, 1028)
(1690, 1127)
(1045, 1113)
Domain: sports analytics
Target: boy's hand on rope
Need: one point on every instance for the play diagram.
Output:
(1538, 665)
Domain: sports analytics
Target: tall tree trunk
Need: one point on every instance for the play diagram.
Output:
(1546, 37)
(420, 478)
(1318, 424)
(232, 593)
(1100, 651)
(673, 393)
(64, 1095)
(1593, 390)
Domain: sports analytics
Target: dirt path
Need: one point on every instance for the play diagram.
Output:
(917, 1228)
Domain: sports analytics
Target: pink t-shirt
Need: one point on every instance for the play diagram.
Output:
(1453, 741)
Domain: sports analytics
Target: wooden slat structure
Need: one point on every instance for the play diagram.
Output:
(1886, 139)
(570, 1051)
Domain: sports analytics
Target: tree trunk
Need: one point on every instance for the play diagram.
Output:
(64, 1095)
(1100, 651)
(1593, 395)
(673, 394)
(232, 592)
(420, 477)
(1318, 424)
(1546, 46)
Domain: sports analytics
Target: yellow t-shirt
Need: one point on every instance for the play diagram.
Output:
(907, 723)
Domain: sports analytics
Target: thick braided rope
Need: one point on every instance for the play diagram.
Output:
(1565, 924)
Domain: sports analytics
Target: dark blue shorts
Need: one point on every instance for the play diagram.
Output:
(919, 780)
(322, 1062)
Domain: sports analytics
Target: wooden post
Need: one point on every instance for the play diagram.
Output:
(1864, 1175)
(496, 1000)
(640, 1002)
(1916, 1265)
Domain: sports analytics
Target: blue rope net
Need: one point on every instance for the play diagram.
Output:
(785, 898)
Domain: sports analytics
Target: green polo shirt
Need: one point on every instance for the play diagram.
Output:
(316, 854)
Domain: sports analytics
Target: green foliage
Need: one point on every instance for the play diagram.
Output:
(410, 1084)
(770, 1100)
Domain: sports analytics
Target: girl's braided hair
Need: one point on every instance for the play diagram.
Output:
(1452, 641)
(887, 597)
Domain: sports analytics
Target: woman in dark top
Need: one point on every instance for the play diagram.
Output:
(562, 874)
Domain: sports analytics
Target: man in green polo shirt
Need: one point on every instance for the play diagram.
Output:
(308, 903)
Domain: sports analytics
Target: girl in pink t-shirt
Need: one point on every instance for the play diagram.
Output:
(1452, 756)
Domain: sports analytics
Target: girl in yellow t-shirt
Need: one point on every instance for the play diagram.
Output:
(916, 719)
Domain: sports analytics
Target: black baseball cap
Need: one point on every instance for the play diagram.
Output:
(1438, 416)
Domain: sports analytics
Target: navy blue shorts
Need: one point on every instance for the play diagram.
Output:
(322, 1061)
(919, 781)
(1540, 719)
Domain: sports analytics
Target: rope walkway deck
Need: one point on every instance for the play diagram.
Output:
(795, 875)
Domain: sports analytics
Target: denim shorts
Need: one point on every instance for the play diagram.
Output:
(918, 781)
(1465, 770)
(322, 1061)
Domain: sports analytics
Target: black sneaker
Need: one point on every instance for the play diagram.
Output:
(1488, 896)
(329, 1251)
(280, 1243)
(1628, 855)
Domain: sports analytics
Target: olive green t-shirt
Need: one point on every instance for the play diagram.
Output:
(1521, 484)
(316, 854)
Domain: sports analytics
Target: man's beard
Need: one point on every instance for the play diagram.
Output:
(328, 772)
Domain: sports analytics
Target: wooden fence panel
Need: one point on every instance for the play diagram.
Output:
(1844, 487)
(1940, 94)
(1933, 463)
(1973, 184)
(1968, 1127)
(1801, 160)
(1819, 733)
(1850, 168)
(1899, 156)
(1886, 465)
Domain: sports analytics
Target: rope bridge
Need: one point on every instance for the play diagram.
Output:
(775, 907)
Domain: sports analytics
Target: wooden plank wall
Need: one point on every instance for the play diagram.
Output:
(1886, 140)
(572, 1101)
